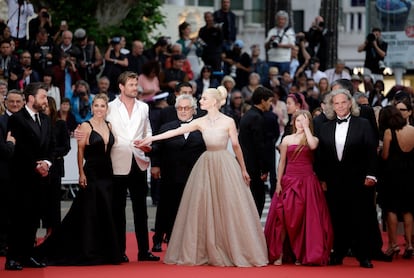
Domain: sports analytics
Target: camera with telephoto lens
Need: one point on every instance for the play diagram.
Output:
(371, 37)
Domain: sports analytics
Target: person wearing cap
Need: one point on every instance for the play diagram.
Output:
(89, 58)
(279, 42)
(356, 81)
(115, 62)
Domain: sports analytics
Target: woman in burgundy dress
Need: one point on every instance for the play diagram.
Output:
(298, 221)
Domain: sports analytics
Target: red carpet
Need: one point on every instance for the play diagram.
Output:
(398, 268)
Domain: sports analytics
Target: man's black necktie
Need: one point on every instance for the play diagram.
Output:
(340, 121)
(37, 121)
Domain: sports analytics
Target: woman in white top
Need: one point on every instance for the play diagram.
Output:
(52, 91)
(189, 48)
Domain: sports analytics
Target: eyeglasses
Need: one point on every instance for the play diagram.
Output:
(237, 97)
(184, 108)
(403, 109)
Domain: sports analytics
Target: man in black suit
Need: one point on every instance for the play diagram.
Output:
(252, 141)
(14, 102)
(347, 170)
(173, 159)
(368, 113)
(29, 166)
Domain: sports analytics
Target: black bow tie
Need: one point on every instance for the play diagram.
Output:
(340, 121)
(185, 122)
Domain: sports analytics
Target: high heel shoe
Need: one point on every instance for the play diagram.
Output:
(393, 250)
(408, 253)
(278, 261)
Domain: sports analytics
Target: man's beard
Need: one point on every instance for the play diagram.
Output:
(38, 107)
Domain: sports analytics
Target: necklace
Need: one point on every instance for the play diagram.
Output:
(213, 121)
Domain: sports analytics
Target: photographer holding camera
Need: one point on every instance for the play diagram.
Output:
(43, 20)
(318, 41)
(279, 42)
(375, 51)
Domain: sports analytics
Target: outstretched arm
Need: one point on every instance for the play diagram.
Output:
(168, 134)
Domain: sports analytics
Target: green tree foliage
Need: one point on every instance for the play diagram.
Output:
(141, 18)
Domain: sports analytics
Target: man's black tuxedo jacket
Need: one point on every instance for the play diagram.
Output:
(176, 156)
(359, 157)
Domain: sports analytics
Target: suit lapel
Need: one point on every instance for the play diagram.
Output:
(32, 124)
(349, 133)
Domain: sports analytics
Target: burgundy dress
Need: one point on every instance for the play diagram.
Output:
(302, 209)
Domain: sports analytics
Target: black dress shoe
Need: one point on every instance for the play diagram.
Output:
(156, 247)
(366, 264)
(125, 259)
(148, 257)
(12, 265)
(33, 263)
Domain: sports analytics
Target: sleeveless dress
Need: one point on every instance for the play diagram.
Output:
(217, 222)
(398, 188)
(87, 234)
(302, 209)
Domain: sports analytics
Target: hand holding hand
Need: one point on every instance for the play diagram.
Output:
(143, 142)
(263, 176)
(42, 168)
(369, 182)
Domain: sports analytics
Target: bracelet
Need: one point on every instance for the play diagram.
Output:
(114, 61)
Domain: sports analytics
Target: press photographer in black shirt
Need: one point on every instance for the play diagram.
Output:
(375, 51)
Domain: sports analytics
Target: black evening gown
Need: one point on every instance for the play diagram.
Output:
(87, 233)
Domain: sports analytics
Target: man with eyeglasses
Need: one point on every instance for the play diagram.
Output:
(173, 160)
(168, 113)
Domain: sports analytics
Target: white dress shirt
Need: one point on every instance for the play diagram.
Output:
(26, 10)
(340, 136)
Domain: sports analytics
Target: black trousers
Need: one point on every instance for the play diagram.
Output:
(136, 183)
(170, 198)
(25, 210)
(353, 221)
(258, 189)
